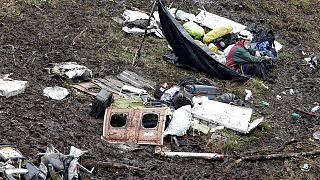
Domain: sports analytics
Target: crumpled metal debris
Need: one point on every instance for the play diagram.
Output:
(70, 70)
(56, 92)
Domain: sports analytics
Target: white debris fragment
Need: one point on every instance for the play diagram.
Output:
(57, 93)
(248, 95)
(230, 116)
(180, 122)
(316, 108)
(10, 87)
(181, 15)
(134, 16)
(316, 135)
(278, 97)
(291, 92)
(71, 70)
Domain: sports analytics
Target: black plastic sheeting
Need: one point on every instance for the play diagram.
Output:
(188, 52)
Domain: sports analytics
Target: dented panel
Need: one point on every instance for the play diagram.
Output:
(142, 126)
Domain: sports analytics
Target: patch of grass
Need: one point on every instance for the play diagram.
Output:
(39, 2)
(265, 126)
(305, 177)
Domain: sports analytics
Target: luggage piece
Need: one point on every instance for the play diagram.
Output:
(194, 29)
(216, 33)
(202, 90)
(102, 101)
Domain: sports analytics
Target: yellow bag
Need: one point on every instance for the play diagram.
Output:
(216, 33)
(198, 42)
(214, 48)
(194, 29)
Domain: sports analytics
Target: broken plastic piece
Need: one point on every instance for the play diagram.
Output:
(295, 115)
(316, 135)
(248, 95)
(316, 108)
(10, 87)
(57, 93)
(133, 89)
(180, 122)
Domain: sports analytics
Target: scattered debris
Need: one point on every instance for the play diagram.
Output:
(136, 80)
(315, 109)
(70, 70)
(265, 104)
(56, 92)
(230, 116)
(11, 162)
(203, 126)
(248, 95)
(10, 87)
(278, 97)
(291, 92)
(305, 167)
(54, 163)
(295, 115)
(132, 89)
(180, 122)
(209, 156)
(316, 135)
(181, 15)
(304, 112)
(135, 23)
(312, 61)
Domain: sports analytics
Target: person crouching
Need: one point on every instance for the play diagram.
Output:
(245, 60)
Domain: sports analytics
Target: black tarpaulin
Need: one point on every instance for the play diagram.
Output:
(188, 52)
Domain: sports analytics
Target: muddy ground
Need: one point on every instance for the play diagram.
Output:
(34, 33)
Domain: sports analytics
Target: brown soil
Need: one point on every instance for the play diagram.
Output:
(44, 33)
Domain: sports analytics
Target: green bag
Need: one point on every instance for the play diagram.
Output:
(194, 29)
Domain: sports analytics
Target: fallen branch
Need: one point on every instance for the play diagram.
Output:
(112, 165)
(304, 112)
(80, 34)
(277, 156)
(272, 150)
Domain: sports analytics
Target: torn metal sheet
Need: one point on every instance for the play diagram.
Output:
(233, 117)
(139, 126)
(10, 87)
(88, 87)
(70, 70)
(96, 85)
(136, 80)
